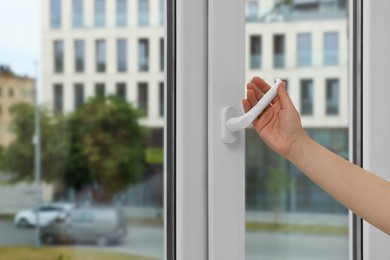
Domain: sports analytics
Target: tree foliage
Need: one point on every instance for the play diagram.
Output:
(100, 144)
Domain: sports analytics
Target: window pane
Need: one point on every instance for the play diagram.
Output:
(100, 55)
(55, 14)
(79, 46)
(100, 13)
(121, 13)
(331, 48)
(304, 49)
(58, 56)
(143, 55)
(255, 52)
(143, 12)
(101, 130)
(287, 215)
(122, 55)
(332, 96)
(78, 14)
(279, 51)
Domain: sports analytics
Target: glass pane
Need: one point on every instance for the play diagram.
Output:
(302, 42)
(97, 189)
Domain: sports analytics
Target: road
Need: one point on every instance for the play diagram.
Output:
(148, 241)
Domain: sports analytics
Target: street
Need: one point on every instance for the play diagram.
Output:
(148, 241)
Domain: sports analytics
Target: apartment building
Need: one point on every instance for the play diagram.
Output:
(13, 89)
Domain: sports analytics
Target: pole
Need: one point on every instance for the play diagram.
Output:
(37, 143)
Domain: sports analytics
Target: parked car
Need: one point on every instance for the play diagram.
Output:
(98, 225)
(46, 213)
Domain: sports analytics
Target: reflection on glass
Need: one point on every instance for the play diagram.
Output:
(101, 126)
(287, 215)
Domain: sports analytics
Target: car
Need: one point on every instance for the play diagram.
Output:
(100, 225)
(46, 214)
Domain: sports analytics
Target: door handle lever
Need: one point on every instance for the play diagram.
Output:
(231, 123)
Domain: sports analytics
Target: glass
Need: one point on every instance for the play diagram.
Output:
(101, 157)
(332, 96)
(331, 48)
(287, 215)
(100, 13)
(122, 55)
(143, 98)
(143, 12)
(78, 13)
(79, 46)
(100, 55)
(143, 55)
(304, 49)
(121, 13)
(255, 52)
(58, 56)
(55, 14)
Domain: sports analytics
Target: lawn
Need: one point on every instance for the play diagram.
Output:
(61, 253)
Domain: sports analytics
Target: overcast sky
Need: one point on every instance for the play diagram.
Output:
(20, 35)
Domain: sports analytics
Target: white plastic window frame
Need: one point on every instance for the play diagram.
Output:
(375, 127)
(209, 200)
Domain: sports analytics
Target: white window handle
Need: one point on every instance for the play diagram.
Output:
(231, 123)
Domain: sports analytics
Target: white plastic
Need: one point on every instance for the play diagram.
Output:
(230, 125)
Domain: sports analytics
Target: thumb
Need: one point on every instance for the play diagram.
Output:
(284, 98)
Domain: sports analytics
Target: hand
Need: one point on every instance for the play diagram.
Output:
(279, 125)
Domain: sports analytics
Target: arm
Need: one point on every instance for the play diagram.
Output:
(279, 126)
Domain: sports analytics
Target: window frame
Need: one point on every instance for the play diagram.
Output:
(193, 66)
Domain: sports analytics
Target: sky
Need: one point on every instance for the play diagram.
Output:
(20, 35)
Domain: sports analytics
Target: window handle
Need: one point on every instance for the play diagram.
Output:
(231, 123)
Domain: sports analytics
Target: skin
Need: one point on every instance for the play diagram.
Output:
(280, 128)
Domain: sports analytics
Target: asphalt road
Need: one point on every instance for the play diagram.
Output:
(148, 241)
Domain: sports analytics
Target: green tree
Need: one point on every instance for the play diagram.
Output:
(107, 146)
(19, 155)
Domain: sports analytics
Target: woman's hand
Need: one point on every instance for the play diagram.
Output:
(279, 125)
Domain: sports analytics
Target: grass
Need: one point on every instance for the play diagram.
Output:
(61, 253)
(295, 228)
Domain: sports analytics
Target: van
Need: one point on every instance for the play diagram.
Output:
(98, 225)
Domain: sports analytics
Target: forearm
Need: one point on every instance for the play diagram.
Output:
(359, 190)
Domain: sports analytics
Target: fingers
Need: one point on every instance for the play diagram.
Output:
(261, 84)
(284, 98)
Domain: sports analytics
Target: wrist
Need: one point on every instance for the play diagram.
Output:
(298, 147)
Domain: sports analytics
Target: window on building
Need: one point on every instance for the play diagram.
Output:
(121, 90)
(122, 55)
(143, 98)
(143, 55)
(11, 92)
(55, 14)
(100, 55)
(121, 13)
(58, 98)
(162, 12)
(79, 46)
(78, 14)
(307, 97)
(100, 89)
(58, 56)
(332, 96)
(78, 95)
(279, 51)
(331, 48)
(252, 10)
(161, 99)
(162, 54)
(255, 52)
(1, 90)
(304, 49)
(143, 12)
(100, 13)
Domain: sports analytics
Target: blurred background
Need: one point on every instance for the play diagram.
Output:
(82, 123)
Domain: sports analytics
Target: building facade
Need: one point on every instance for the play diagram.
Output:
(117, 47)
(13, 89)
